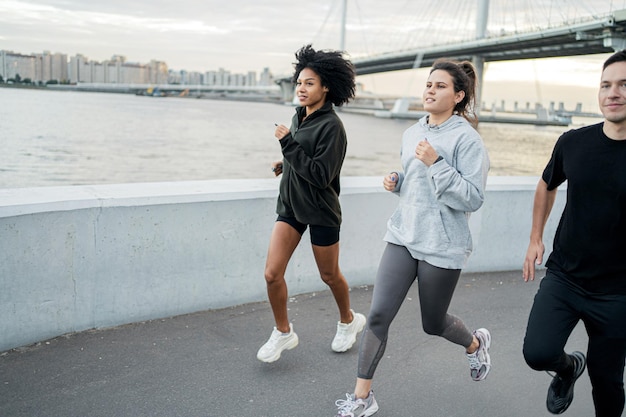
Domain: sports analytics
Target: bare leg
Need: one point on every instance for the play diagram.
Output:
(283, 242)
(362, 388)
(327, 259)
(474, 346)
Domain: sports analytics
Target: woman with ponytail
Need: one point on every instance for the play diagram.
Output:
(445, 168)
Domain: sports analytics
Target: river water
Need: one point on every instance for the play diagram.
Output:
(52, 138)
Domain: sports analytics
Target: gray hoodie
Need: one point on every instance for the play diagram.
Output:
(431, 219)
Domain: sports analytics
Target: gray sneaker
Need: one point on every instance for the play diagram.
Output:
(277, 342)
(480, 361)
(346, 333)
(357, 407)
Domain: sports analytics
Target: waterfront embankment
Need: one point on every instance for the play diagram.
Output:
(84, 257)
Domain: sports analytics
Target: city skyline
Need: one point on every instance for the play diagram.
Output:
(496, 90)
(46, 66)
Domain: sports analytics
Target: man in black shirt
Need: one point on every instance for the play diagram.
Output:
(586, 271)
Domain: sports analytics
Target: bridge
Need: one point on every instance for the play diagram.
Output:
(595, 34)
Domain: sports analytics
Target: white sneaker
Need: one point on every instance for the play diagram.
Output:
(480, 361)
(277, 342)
(357, 407)
(346, 333)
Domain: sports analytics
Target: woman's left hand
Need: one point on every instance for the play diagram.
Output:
(277, 168)
(426, 153)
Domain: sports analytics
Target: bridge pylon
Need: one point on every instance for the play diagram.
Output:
(618, 43)
(286, 89)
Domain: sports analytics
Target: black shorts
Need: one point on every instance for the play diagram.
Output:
(320, 235)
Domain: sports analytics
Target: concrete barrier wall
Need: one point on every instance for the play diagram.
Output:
(77, 258)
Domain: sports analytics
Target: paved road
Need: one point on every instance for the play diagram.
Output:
(204, 364)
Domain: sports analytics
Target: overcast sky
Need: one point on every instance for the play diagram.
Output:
(242, 35)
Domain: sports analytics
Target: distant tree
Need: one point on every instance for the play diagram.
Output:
(1, 79)
(27, 81)
(52, 82)
(18, 79)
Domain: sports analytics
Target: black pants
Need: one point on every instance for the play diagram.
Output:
(558, 306)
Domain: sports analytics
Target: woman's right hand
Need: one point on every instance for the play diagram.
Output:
(390, 181)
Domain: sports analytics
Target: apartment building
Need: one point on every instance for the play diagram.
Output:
(35, 67)
(13, 64)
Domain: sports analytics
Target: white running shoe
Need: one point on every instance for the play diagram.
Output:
(480, 361)
(277, 342)
(357, 407)
(346, 333)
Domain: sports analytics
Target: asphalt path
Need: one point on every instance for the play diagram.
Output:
(204, 364)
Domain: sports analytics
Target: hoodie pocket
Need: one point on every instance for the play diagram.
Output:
(420, 227)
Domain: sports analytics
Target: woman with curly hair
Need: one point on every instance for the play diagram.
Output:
(313, 151)
(445, 166)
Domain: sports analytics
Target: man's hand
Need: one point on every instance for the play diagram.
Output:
(534, 256)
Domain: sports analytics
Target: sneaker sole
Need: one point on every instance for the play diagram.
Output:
(276, 357)
(371, 411)
(359, 329)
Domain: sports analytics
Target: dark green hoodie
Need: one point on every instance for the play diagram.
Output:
(313, 153)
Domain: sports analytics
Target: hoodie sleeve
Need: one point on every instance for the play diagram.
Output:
(462, 188)
(324, 165)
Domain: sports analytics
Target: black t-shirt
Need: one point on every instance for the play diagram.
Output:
(590, 241)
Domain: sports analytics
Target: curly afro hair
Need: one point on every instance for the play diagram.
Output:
(336, 73)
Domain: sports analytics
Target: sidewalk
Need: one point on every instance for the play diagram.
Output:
(204, 364)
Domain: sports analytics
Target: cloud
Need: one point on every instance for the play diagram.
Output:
(21, 13)
(579, 71)
(242, 35)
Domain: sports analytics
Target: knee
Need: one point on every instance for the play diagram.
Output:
(327, 277)
(540, 358)
(432, 329)
(435, 324)
(272, 276)
(331, 277)
(534, 359)
(378, 323)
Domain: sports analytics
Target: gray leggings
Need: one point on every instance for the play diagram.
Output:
(396, 273)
